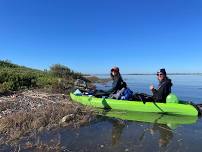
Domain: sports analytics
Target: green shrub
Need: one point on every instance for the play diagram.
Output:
(14, 77)
(7, 64)
(60, 71)
(5, 87)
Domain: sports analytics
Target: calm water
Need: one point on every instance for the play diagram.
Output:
(114, 135)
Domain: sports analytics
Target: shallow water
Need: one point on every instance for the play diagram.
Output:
(113, 135)
(108, 134)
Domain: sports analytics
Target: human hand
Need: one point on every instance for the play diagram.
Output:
(152, 87)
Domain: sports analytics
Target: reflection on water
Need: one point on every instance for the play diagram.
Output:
(117, 129)
(115, 135)
(165, 134)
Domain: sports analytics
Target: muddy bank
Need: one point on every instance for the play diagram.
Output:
(95, 79)
(29, 112)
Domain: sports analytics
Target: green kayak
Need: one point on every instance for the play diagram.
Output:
(138, 106)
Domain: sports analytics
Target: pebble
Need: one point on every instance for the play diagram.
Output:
(101, 146)
(67, 118)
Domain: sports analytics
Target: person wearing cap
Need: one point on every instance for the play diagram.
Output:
(164, 87)
(117, 84)
(117, 80)
(119, 89)
(159, 94)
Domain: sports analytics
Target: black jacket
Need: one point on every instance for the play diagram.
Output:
(164, 89)
(116, 85)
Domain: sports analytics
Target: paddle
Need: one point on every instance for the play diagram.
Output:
(145, 98)
(198, 108)
(158, 107)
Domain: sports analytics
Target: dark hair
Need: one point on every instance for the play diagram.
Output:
(118, 75)
(116, 69)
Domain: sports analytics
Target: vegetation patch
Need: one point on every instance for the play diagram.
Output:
(14, 78)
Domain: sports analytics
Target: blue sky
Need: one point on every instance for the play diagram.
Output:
(91, 36)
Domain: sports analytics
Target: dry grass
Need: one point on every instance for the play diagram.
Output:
(21, 123)
(5, 105)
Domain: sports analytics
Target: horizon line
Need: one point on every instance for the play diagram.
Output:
(183, 73)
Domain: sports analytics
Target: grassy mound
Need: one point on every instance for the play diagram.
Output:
(14, 77)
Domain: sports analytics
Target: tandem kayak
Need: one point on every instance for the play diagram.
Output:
(137, 106)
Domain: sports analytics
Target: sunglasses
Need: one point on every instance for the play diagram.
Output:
(159, 74)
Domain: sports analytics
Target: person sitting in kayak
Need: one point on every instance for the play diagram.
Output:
(160, 94)
(164, 87)
(116, 84)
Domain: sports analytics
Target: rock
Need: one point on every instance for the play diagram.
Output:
(29, 145)
(41, 129)
(67, 118)
(80, 83)
(101, 146)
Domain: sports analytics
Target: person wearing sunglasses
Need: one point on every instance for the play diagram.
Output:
(164, 87)
(159, 94)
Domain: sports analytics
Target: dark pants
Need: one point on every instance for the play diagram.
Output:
(101, 93)
(142, 97)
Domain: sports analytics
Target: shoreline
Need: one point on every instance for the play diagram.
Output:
(32, 111)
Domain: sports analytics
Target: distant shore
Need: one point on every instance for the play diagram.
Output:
(151, 74)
